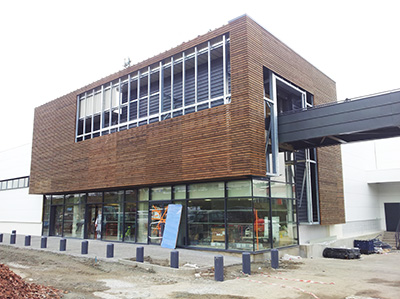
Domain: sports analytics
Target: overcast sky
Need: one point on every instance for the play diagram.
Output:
(51, 48)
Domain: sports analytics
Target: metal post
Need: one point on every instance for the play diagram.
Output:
(1, 238)
(274, 258)
(219, 268)
(27, 240)
(13, 238)
(110, 250)
(85, 247)
(43, 242)
(63, 244)
(140, 254)
(246, 265)
(174, 259)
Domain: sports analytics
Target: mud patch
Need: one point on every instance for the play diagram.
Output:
(389, 283)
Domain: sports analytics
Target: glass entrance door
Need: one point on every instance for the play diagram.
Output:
(93, 221)
(158, 215)
(56, 220)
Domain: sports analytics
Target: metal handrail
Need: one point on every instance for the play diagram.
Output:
(397, 235)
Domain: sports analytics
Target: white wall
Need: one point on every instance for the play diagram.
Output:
(361, 199)
(18, 209)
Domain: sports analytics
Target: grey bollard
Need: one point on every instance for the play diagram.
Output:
(13, 238)
(85, 247)
(28, 240)
(140, 254)
(1, 238)
(219, 268)
(174, 263)
(246, 265)
(43, 242)
(110, 250)
(274, 258)
(63, 244)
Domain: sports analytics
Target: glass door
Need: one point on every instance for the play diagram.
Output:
(93, 220)
(56, 220)
(158, 215)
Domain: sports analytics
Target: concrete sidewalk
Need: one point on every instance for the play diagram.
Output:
(98, 250)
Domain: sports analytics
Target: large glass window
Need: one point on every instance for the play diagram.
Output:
(284, 228)
(113, 216)
(242, 216)
(130, 215)
(262, 236)
(206, 223)
(46, 214)
(202, 190)
(143, 222)
(190, 81)
(240, 223)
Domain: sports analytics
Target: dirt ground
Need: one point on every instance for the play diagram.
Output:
(372, 276)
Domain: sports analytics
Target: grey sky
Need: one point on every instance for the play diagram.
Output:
(51, 48)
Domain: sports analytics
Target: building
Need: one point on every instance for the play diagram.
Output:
(197, 126)
(18, 210)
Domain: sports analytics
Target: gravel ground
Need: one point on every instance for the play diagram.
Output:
(372, 276)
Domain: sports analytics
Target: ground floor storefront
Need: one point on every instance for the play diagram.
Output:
(248, 214)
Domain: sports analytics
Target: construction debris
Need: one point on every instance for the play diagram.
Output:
(13, 286)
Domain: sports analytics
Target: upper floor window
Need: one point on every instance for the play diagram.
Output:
(190, 81)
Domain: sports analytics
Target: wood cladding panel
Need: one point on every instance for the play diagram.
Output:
(222, 142)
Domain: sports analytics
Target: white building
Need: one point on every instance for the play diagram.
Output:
(18, 210)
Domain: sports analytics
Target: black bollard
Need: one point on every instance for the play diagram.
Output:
(13, 238)
(85, 247)
(110, 250)
(43, 242)
(27, 240)
(63, 244)
(219, 268)
(174, 259)
(246, 265)
(1, 238)
(140, 254)
(274, 258)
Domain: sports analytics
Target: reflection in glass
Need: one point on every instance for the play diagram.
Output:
(239, 188)
(142, 222)
(284, 228)
(206, 190)
(240, 224)
(261, 224)
(206, 223)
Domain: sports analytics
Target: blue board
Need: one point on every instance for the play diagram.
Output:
(172, 226)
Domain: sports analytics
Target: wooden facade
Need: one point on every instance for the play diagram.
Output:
(223, 142)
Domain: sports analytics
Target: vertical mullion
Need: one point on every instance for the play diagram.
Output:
(183, 82)
(128, 116)
(148, 94)
(84, 118)
(226, 216)
(119, 102)
(92, 119)
(110, 113)
(102, 108)
(160, 90)
(172, 86)
(138, 98)
(195, 77)
(209, 70)
(78, 110)
(224, 65)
